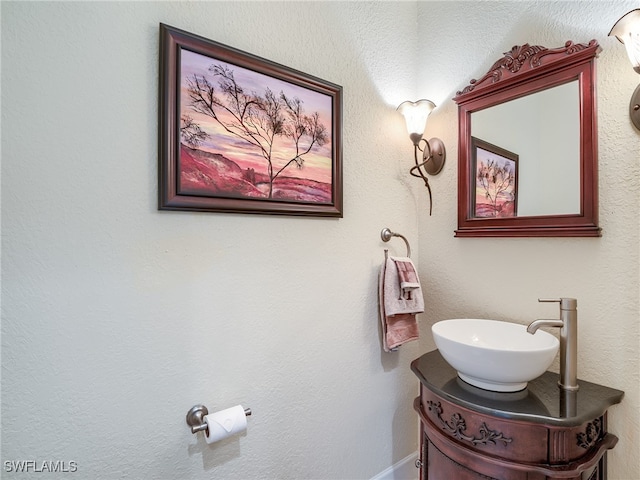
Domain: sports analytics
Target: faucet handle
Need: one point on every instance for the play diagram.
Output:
(565, 303)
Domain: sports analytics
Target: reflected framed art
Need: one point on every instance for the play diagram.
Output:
(495, 189)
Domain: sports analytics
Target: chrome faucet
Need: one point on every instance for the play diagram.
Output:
(568, 324)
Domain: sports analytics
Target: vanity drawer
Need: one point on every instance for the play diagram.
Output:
(507, 439)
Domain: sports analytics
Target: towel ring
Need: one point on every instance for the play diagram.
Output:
(386, 235)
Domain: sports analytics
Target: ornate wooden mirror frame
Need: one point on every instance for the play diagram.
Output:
(522, 71)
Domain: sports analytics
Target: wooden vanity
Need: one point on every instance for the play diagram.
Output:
(539, 433)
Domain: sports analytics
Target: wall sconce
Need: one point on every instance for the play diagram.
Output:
(434, 153)
(627, 31)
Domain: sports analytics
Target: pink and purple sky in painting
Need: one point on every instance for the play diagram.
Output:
(317, 163)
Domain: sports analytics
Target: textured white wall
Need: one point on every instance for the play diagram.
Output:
(503, 278)
(117, 318)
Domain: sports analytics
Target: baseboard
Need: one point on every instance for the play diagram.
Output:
(405, 469)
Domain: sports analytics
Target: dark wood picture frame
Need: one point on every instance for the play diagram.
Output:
(496, 180)
(238, 135)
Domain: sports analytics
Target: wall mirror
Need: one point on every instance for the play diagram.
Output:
(527, 145)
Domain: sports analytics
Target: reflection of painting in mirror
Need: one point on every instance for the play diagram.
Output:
(496, 180)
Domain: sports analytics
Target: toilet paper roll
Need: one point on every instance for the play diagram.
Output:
(225, 423)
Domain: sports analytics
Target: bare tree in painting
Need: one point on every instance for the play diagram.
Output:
(259, 120)
(496, 180)
(190, 132)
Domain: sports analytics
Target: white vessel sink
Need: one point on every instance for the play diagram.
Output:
(494, 355)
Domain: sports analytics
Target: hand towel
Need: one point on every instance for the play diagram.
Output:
(401, 329)
(407, 273)
(396, 329)
(396, 299)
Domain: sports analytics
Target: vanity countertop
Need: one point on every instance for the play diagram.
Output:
(541, 402)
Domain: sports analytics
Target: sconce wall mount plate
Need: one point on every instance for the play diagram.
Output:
(634, 107)
(438, 156)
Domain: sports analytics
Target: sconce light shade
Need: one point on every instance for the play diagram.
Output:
(627, 31)
(416, 114)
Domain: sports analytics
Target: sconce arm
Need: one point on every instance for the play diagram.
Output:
(418, 168)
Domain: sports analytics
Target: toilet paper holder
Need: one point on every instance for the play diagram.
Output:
(195, 418)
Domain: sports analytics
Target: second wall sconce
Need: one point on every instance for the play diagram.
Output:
(627, 31)
(434, 153)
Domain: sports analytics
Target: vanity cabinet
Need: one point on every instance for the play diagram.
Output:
(539, 433)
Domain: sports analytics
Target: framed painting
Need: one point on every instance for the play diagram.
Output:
(238, 133)
(495, 189)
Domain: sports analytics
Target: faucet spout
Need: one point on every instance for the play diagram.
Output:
(541, 322)
(568, 324)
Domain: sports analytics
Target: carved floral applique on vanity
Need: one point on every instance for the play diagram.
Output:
(592, 434)
(458, 426)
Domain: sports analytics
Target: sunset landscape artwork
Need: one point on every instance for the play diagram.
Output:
(495, 180)
(245, 134)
